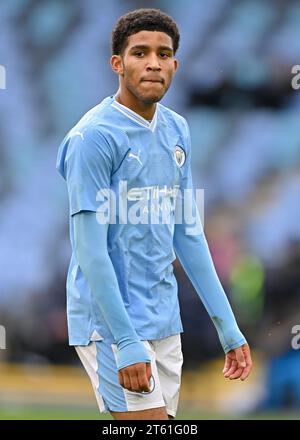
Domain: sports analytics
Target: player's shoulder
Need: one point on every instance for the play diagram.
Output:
(173, 118)
(88, 139)
(93, 132)
(95, 121)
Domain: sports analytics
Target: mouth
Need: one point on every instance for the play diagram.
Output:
(160, 81)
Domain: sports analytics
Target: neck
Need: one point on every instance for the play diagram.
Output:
(126, 98)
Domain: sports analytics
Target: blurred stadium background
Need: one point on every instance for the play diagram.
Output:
(234, 88)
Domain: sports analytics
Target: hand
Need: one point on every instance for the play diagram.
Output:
(238, 363)
(136, 377)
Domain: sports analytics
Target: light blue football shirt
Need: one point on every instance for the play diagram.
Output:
(125, 147)
(143, 164)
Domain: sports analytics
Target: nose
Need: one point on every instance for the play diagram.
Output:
(153, 63)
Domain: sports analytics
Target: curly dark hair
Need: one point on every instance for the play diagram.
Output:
(144, 19)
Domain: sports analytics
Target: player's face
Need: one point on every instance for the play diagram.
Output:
(147, 65)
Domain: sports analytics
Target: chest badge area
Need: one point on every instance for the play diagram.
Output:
(179, 155)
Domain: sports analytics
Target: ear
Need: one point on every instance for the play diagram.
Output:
(176, 64)
(117, 64)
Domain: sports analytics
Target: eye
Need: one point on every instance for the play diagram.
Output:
(139, 54)
(164, 55)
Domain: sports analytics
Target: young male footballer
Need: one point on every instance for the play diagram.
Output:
(127, 164)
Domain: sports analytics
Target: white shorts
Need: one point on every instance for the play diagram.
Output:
(98, 358)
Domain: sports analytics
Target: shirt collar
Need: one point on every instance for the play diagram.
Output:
(135, 116)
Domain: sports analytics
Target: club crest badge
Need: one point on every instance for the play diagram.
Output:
(179, 156)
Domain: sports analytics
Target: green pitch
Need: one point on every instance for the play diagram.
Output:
(56, 413)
